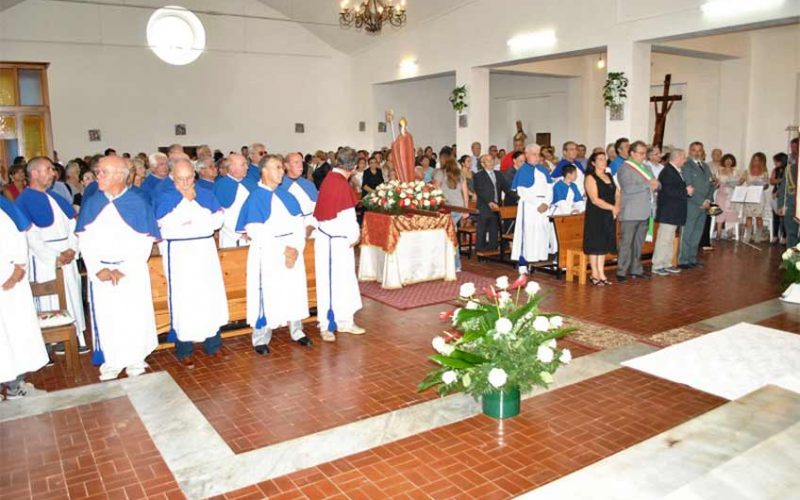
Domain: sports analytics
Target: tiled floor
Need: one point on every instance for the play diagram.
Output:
(788, 321)
(98, 451)
(557, 433)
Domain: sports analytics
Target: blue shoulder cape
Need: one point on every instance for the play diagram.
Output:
(253, 172)
(202, 183)
(614, 166)
(169, 197)
(308, 187)
(133, 208)
(90, 191)
(225, 189)
(15, 214)
(560, 190)
(151, 182)
(36, 207)
(559, 170)
(525, 175)
(258, 206)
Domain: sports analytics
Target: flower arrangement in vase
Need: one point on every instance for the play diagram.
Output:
(790, 264)
(504, 345)
(615, 91)
(393, 196)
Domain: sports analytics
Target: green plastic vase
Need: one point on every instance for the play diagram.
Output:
(502, 404)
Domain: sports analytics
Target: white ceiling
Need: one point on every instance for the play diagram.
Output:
(321, 17)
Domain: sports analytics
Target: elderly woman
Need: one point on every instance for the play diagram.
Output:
(73, 179)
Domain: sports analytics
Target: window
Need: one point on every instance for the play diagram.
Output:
(176, 35)
(24, 112)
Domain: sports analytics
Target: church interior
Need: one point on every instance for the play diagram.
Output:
(471, 368)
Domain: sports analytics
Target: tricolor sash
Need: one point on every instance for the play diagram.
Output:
(648, 176)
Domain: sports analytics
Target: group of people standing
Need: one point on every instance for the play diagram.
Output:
(264, 204)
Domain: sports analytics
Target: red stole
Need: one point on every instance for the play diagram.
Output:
(335, 195)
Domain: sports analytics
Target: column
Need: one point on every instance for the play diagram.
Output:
(477, 129)
(633, 58)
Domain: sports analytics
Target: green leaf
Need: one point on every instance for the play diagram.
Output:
(427, 384)
(468, 356)
(452, 362)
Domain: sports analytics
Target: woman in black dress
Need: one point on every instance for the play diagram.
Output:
(373, 177)
(602, 208)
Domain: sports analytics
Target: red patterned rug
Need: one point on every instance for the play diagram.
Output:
(422, 294)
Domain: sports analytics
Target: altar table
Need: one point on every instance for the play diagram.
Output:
(399, 250)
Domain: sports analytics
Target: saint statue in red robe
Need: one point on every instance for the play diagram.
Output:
(403, 154)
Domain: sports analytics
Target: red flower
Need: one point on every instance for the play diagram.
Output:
(446, 315)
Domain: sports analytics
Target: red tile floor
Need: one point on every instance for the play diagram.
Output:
(556, 433)
(96, 451)
(254, 401)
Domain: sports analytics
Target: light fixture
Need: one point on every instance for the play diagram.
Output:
(176, 35)
(408, 67)
(601, 63)
(528, 41)
(372, 14)
(729, 8)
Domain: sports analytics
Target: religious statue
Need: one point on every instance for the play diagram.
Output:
(402, 154)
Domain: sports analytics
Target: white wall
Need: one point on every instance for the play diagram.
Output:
(425, 105)
(256, 79)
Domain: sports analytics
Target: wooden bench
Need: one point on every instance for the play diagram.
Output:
(61, 333)
(234, 274)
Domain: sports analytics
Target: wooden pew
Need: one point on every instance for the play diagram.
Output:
(234, 274)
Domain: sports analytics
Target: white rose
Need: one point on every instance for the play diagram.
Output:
(498, 377)
(467, 290)
(449, 377)
(532, 288)
(551, 343)
(546, 377)
(504, 298)
(472, 305)
(503, 326)
(541, 324)
(439, 343)
(501, 282)
(544, 354)
(797, 265)
(565, 357)
(427, 203)
(786, 255)
(556, 322)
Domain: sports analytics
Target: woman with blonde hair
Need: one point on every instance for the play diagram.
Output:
(451, 181)
(756, 175)
(728, 179)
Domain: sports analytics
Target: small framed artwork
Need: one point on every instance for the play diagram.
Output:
(463, 122)
(180, 129)
(94, 135)
(617, 112)
(362, 126)
(382, 127)
(299, 128)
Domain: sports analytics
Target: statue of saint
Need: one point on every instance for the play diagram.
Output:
(403, 154)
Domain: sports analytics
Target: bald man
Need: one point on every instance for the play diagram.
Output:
(301, 188)
(116, 230)
(231, 192)
(52, 242)
(187, 218)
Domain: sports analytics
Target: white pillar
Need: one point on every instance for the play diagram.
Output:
(633, 58)
(477, 129)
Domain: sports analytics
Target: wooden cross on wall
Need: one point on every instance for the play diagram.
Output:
(666, 101)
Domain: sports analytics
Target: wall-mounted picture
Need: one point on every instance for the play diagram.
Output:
(94, 135)
(382, 127)
(362, 126)
(299, 128)
(180, 129)
(463, 121)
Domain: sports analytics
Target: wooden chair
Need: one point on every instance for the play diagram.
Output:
(65, 332)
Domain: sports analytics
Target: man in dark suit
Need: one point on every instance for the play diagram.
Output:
(323, 167)
(671, 211)
(697, 174)
(489, 186)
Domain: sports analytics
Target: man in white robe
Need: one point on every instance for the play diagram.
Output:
(22, 349)
(187, 218)
(338, 295)
(567, 198)
(116, 231)
(533, 233)
(277, 294)
(231, 192)
(52, 243)
(302, 189)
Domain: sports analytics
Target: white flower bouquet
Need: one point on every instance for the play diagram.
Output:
(501, 341)
(790, 264)
(394, 196)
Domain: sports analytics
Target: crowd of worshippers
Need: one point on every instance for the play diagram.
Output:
(263, 202)
(108, 210)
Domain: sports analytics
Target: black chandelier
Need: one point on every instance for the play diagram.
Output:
(372, 14)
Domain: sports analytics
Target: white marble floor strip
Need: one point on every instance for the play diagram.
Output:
(663, 464)
(204, 465)
(751, 314)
